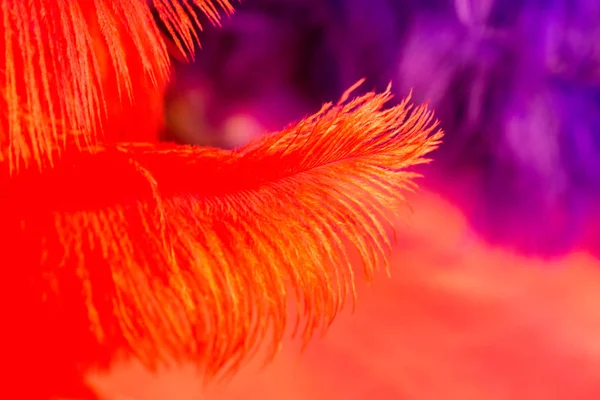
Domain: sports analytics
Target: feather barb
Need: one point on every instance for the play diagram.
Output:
(79, 66)
(195, 253)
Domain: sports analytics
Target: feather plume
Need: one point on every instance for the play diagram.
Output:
(196, 253)
(67, 66)
(459, 320)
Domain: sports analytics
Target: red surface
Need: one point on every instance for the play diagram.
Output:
(457, 320)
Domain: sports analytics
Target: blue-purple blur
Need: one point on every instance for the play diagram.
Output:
(516, 85)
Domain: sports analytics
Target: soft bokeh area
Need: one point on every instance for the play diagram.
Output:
(516, 85)
(457, 320)
(495, 282)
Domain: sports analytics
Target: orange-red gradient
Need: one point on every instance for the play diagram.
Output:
(458, 321)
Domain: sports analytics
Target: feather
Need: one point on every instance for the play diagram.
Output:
(194, 254)
(68, 66)
(459, 319)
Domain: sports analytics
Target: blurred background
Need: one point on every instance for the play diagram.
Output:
(516, 85)
(495, 291)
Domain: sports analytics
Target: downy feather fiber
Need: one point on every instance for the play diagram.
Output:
(87, 71)
(115, 245)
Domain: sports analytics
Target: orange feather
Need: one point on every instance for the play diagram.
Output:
(116, 245)
(90, 70)
(458, 320)
(193, 254)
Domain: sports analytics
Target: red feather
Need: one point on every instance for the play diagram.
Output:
(89, 70)
(116, 245)
(173, 252)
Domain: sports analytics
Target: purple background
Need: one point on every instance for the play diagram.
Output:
(516, 85)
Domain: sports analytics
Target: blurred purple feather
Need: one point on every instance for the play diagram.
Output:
(516, 89)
